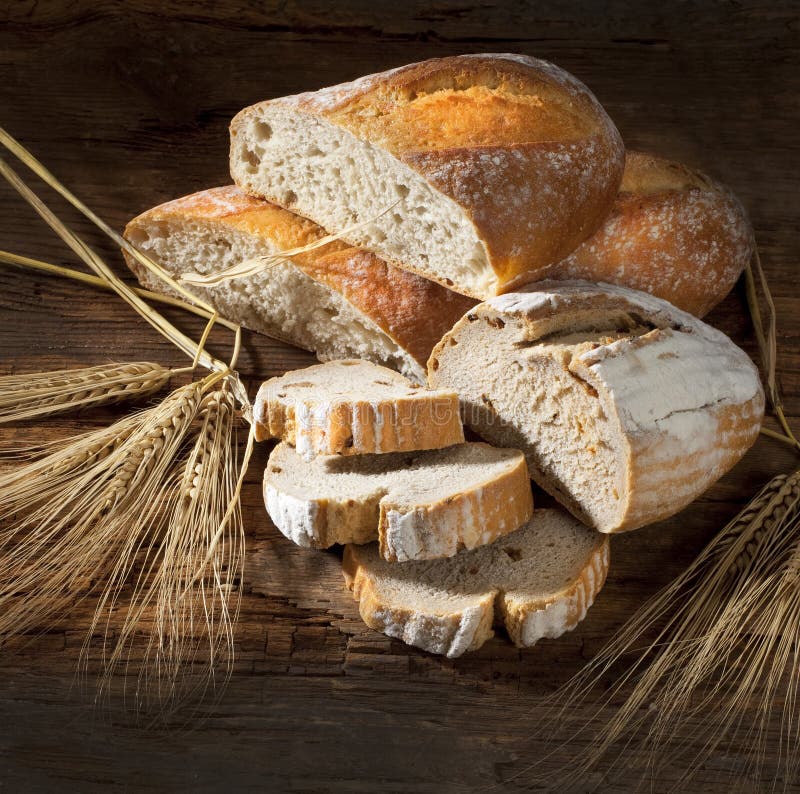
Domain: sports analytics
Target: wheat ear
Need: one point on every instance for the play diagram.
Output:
(41, 393)
(64, 517)
(727, 643)
(190, 643)
(196, 351)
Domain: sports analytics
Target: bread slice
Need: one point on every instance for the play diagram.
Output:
(354, 407)
(337, 301)
(673, 232)
(538, 582)
(417, 505)
(468, 170)
(626, 407)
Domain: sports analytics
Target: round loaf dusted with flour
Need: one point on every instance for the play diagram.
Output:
(626, 407)
(337, 301)
(537, 582)
(470, 170)
(673, 232)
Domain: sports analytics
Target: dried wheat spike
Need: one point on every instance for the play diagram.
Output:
(757, 521)
(715, 660)
(42, 393)
(185, 595)
(86, 510)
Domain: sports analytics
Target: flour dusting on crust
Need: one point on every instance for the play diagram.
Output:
(215, 202)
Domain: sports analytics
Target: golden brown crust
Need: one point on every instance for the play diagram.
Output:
(521, 146)
(413, 311)
(673, 232)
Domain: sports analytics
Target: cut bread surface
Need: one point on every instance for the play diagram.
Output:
(442, 165)
(354, 407)
(326, 173)
(418, 505)
(538, 582)
(627, 408)
(337, 301)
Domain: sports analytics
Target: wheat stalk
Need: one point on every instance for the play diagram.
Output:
(8, 258)
(267, 261)
(194, 349)
(711, 658)
(720, 648)
(42, 393)
(21, 153)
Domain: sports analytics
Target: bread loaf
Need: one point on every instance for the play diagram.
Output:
(471, 170)
(354, 407)
(537, 582)
(418, 505)
(626, 407)
(338, 301)
(673, 232)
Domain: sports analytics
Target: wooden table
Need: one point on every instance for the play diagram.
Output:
(129, 105)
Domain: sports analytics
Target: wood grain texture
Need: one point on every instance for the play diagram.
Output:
(128, 103)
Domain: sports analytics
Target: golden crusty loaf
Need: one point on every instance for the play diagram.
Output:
(538, 582)
(673, 232)
(626, 407)
(338, 301)
(418, 505)
(471, 169)
(355, 407)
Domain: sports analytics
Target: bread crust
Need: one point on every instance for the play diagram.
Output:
(414, 312)
(415, 418)
(494, 133)
(688, 403)
(453, 633)
(428, 529)
(673, 232)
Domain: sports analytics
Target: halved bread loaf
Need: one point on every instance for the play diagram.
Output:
(469, 170)
(417, 505)
(626, 407)
(338, 301)
(673, 232)
(355, 407)
(538, 582)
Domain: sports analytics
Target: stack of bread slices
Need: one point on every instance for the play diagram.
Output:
(465, 240)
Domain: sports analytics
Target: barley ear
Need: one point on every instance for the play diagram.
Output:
(186, 622)
(80, 514)
(37, 394)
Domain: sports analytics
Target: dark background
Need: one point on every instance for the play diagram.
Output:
(128, 103)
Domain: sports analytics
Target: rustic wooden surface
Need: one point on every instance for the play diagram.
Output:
(128, 104)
